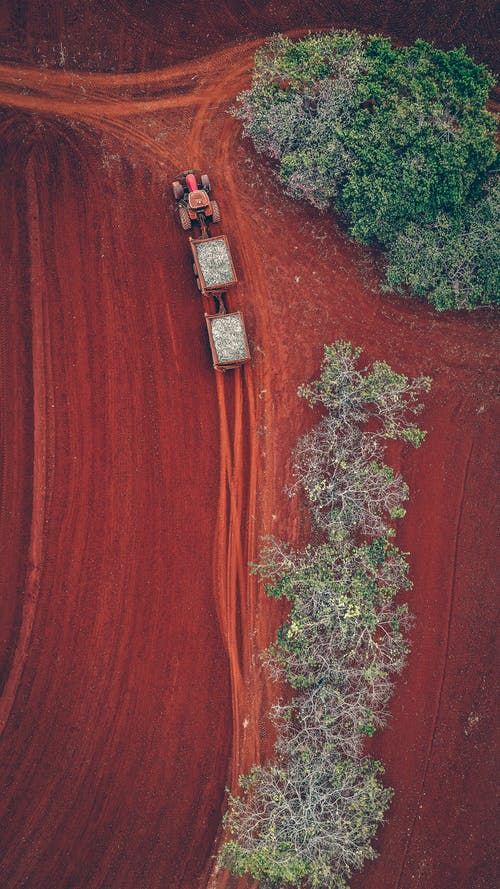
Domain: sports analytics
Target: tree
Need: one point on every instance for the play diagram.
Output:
(338, 465)
(309, 817)
(313, 818)
(302, 95)
(395, 138)
(347, 485)
(343, 642)
(455, 260)
(353, 395)
(424, 143)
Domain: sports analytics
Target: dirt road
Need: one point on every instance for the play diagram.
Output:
(136, 483)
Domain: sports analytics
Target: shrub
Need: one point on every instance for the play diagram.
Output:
(423, 144)
(302, 97)
(347, 485)
(339, 466)
(312, 819)
(309, 818)
(455, 261)
(342, 643)
(395, 138)
(353, 395)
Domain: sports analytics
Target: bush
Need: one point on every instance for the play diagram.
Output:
(312, 819)
(309, 818)
(352, 396)
(303, 96)
(347, 485)
(424, 143)
(339, 466)
(393, 137)
(456, 262)
(342, 643)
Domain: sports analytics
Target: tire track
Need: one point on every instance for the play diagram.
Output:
(231, 554)
(135, 136)
(261, 382)
(82, 95)
(77, 95)
(428, 755)
(51, 78)
(43, 436)
(248, 697)
(231, 565)
(238, 563)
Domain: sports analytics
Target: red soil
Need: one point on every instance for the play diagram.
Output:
(136, 483)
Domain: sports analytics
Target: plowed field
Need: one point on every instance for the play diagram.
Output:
(136, 483)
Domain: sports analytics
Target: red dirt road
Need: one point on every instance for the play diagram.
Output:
(136, 483)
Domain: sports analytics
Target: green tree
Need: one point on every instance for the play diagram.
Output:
(455, 260)
(396, 138)
(421, 141)
(353, 395)
(343, 642)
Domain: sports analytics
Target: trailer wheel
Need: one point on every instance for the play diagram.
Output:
(184, 219)
(177, 189)
(216, 217)
(205, 182)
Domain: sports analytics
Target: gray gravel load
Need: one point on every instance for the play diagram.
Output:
(215, 262)
(229, 337)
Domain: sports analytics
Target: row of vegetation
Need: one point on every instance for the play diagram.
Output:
(310, 815)
(399, 141)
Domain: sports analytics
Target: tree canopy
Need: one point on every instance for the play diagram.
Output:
(396, 138)
(308, 818)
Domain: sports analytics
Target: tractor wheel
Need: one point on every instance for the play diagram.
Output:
(184, 219)
(215, 212)
(177, 189)
(205, 182)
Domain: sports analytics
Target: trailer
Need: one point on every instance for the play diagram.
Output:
(228, 340)
(215, 273)
(213, 264)
(213, 268)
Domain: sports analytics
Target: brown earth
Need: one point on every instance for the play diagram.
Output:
(136, 482)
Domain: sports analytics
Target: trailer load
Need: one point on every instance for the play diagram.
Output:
(213, 264)
(228, 340)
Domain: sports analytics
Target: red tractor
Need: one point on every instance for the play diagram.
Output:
(191, 191)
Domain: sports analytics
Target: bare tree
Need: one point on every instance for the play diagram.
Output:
(347, 485)
(312, 818)
(353, 395)
(312, 814)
